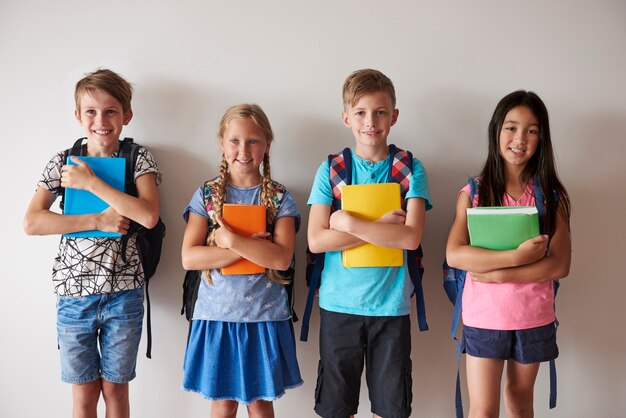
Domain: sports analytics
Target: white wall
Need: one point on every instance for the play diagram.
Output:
(189, 60)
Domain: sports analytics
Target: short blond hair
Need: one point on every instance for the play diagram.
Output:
(106, 80)
(365, 81)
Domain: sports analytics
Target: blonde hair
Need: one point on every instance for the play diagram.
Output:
(366, 81)
(268, 192)
(106, 80)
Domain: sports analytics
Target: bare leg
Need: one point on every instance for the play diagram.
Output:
(483, 381)
(224, 409)
(519, 389)
(116, 399)
(85, 398)
(261, 409)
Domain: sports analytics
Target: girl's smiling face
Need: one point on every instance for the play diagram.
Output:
(244, 146)
(519, 136)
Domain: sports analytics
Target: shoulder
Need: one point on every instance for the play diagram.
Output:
(280, 192)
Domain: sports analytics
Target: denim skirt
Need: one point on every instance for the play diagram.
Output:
(241, 361)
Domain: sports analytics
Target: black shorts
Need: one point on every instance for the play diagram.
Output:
(526, 346)
(347, 343)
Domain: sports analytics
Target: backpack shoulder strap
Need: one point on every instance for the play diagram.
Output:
(129, 151)
(401, 167)
(77, 149)
(474, 183)
(540, 204)
(340, 166)
(280, 191)
(207, 196)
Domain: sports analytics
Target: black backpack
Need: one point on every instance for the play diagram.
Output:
(192, 280)
(149, 241)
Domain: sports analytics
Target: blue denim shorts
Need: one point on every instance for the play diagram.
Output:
(99, 336)
(526, 346)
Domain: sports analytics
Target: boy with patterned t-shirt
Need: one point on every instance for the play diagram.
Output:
(365, 311)
(100, 296)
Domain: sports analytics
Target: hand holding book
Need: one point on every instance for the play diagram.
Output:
(532, 249)
(243, 220)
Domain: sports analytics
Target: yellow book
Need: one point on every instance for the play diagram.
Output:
(370, 202)
(244, 220)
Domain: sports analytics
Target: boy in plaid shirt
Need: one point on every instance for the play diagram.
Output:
(365, 311)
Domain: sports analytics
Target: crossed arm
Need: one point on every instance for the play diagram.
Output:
(273, 254)
(144, 209)
(340, 230)
(536, 260)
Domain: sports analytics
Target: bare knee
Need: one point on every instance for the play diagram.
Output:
(484, 411)
(116, 399)
(114, 392)
(261, 409)
(518, 400)
(224, 409)
(85, 398)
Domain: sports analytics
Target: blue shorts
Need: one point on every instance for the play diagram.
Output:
(526, 346)
(99, 336)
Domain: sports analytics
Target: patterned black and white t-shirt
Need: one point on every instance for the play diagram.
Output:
(89, 266)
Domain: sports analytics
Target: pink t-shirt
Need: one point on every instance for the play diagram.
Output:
(508, 306)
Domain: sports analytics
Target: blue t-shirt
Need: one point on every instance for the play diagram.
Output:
(246, 297)
(368, 291)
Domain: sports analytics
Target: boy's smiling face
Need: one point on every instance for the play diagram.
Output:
(102, 118)
(371, 119)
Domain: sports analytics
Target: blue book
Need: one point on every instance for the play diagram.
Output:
(80, 202)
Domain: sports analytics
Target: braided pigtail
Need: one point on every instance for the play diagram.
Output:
(219, 197)
(268, 194)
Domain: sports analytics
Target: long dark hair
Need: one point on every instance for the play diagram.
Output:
(540, 167)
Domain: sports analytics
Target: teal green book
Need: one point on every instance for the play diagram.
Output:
(502, 227)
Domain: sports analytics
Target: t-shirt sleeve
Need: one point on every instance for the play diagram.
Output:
(288, 208)
(147, 164)
(196, 205)
(321, 193)
(419, 184)
(51, 177)
(468, 192)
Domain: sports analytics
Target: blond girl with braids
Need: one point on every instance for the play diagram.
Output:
(241, 347)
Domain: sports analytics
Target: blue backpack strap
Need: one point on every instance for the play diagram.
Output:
(401, 171)
(540, 201)
(340, 166)
(458, 281)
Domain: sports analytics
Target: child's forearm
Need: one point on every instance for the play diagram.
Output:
(46, 222)
(547, 269)
(263, 252)
(141, 210)
(207, 258)
(480, 260)
(326, 240)
(384, 234)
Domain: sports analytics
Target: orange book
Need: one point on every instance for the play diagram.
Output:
(244, 220)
